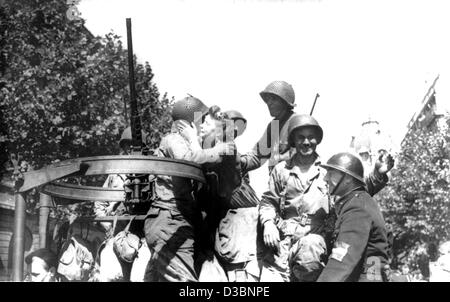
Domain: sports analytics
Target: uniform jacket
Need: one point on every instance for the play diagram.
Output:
(264, 149)
(361, 245)
(282, 202)
(174, 192)
(285, 186)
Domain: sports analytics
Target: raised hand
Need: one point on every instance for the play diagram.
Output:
(384, 163)
(188, 131)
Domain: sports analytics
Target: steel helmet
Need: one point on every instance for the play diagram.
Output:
(282, 90)
(185, 109)
(126, 135)
(236, 115)
(348, 164)
(303, 120)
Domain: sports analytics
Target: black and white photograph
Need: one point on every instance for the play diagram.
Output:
(239, 143)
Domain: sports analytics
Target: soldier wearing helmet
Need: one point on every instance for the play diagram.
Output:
(360, 251)
(175, 216)
(279, 97)
(295, 207)
(240, 122)
(228, 202)
(296, 212)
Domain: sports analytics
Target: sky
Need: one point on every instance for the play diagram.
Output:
(364, 58)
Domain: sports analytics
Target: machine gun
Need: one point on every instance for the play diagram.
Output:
(139, 168)
(138, 187)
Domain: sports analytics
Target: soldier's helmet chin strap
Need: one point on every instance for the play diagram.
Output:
(338, 184)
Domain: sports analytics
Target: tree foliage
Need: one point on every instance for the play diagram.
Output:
(63, 90)
(417, 201)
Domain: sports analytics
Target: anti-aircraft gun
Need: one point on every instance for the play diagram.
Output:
(139, 167)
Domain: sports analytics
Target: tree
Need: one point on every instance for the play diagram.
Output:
(417, 200)
(63, 91)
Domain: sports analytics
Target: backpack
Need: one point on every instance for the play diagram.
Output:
(126, 244)
(76, 259)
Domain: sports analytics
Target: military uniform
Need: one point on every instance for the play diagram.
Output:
(360, 249)
(173, 218)
(231, 206)
(264, 149)
(274, 149)
(299, 217)
(295, 217)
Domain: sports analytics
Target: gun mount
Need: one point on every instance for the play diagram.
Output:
(140, 169)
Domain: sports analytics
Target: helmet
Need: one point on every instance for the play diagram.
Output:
(346, 163)
(303, 120)
(185, 109)
(126, 135)
(236, 115)
(280, 89)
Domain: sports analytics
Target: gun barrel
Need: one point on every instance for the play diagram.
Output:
(314, 104)
(135, 119)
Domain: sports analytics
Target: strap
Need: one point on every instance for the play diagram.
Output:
(283, 197)
(70, 230)
(99, 251)
(87, 232)
(129, 223)
(81, 230)
(113, 230)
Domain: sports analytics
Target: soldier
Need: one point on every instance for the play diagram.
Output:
(273, 145)
(174, 217)
(43, 266)
(234, 231)
(295, 211)
(360, 245)
(240, 122)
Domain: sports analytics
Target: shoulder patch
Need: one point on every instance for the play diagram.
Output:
(339, 251)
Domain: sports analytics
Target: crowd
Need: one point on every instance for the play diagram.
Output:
(317, 220)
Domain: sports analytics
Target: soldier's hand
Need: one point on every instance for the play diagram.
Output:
(384, 163)
(271, 235)
(188, 131)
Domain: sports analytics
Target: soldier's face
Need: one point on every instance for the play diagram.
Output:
(40, 272)
(305, 140)
(333, 179)
(277, 107)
